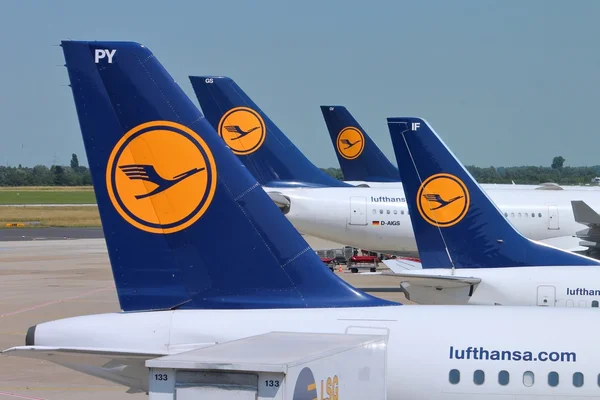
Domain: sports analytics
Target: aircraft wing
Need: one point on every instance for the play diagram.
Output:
(584, 214)
(122, 367)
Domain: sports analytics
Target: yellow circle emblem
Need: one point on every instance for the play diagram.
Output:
(443, 200)
(243, 130)
(161, 177)
(350, 143)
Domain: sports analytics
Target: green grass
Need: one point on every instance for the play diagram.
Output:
(44, 196)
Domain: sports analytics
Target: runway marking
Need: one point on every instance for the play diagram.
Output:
(49, 303)
(18, 396)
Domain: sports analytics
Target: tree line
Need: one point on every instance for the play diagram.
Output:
(527, 175)
(41, 175)
(77, 175)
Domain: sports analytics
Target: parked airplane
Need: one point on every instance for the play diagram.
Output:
(269, 154)
(469, 251)
(378, 219)
(254, 138)
(369, 165)
(180, 293)
(369, 218)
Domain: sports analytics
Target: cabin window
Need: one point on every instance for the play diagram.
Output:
(578, 379)
(553, 379)
(388, 212)
(504, 377)
(402, 212)
(595, 303)
(526, 215)
(374, 211)
(512, 215)
(454, 376)
(395, 211)
(479, 377)
(540, 215)
(598, 379)
(528, 378)
(532, 215)
(380, 211)
(506, 215)
(519, 215)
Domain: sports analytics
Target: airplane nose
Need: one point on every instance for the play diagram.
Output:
(30, 337)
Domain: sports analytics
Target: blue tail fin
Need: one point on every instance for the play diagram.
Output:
(186, 225)
(269, 155)
(359, 156)
(454, 221)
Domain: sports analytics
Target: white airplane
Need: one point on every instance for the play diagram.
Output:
(363, 163)
(372, 216)
(378, 219)
(173, 200)
(469, 252)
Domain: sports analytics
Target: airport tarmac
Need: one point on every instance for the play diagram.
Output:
(58, 233)
(20, 234)
(43, 280)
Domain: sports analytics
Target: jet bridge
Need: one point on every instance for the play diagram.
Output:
(275, 366)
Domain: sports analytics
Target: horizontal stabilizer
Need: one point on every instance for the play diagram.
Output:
(116, 365)
(590, 237)
(435, 281)
(584, 214)
(398, 265)
(436, 289)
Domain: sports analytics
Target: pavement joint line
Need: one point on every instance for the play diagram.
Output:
(19, 396)
(49, 303)
(57, 389)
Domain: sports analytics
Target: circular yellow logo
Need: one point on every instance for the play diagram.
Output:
(243, 130)
(443, 200)
(161, 177)
(350, 143)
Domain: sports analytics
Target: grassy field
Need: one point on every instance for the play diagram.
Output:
(51, 216)
(47, 195)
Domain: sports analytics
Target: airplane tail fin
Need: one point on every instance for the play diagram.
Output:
(265, 150)
(185, 223)
(455, 223)
(358, 155)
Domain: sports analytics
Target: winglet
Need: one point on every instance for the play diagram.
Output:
(455, 223)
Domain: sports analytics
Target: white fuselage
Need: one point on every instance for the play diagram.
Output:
(484, 186)
(425, 343)
(378, 220)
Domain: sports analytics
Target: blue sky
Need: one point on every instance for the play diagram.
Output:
(503, 82)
